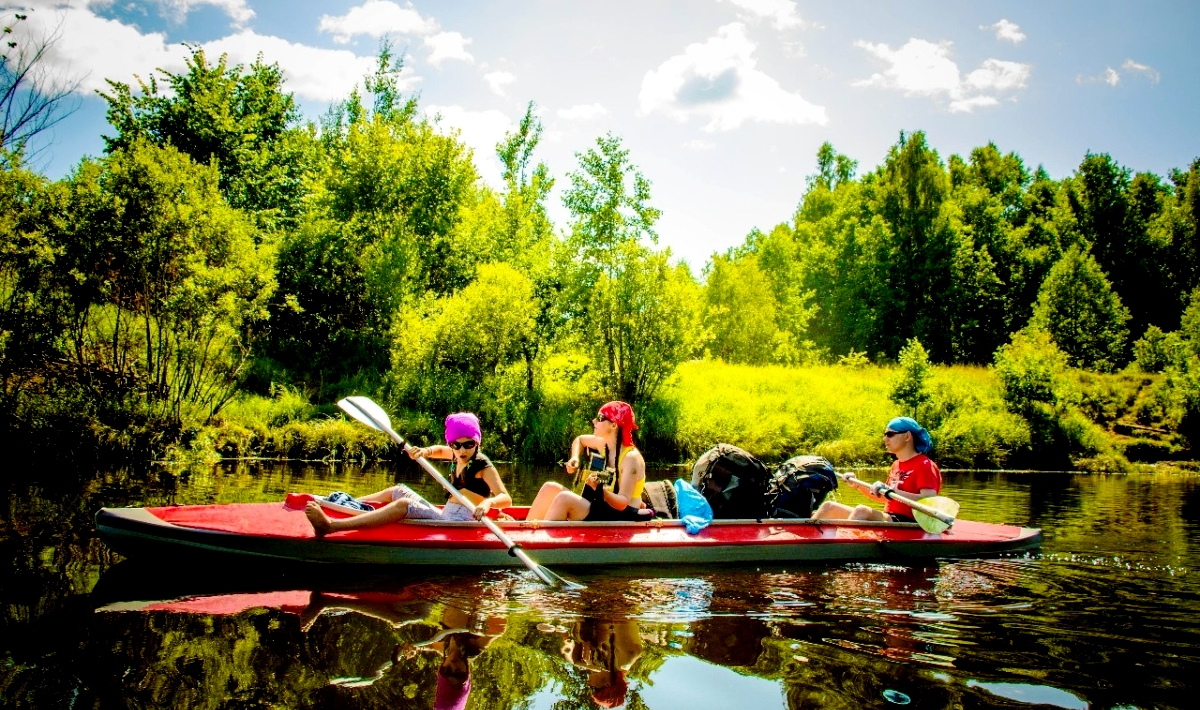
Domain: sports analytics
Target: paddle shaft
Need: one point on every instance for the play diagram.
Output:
(513, 548)
(889, 492)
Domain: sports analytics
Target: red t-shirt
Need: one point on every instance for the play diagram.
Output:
(911, 476)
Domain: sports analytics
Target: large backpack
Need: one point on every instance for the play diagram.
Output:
(732, 481)
(798, 486)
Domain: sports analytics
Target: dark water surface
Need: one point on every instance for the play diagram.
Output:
(1107, 615)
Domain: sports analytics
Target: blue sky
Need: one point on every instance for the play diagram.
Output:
(722, 103)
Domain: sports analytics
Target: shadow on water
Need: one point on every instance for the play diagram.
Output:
(1105, 616)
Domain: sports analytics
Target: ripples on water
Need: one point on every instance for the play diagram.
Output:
(1104, 616)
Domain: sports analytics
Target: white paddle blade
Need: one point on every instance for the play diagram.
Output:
(366, 411)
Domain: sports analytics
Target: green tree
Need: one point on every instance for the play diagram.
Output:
(909, 387)
(911, 190)
(609, 202)
(635, 314)
(1116, 213)
(33, 286)
(382, 228)
(171, 289)
(1080, 311)
(239, 119)
(466, 350)
(741, 311)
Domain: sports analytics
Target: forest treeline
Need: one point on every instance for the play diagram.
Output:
(223, 255)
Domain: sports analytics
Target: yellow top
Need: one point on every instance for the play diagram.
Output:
(641, 484)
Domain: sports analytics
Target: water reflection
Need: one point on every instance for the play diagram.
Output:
(1105, 616)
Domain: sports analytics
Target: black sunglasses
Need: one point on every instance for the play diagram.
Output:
(601, 418)
(456, 445)
(890, 434)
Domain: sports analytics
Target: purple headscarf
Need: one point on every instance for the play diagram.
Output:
(463, 425)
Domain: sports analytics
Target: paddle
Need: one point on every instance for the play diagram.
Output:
(371, 414)
(934, 514)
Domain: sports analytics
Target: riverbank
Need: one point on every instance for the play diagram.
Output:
(835, 411)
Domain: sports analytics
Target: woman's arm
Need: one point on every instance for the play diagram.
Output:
(499, 498)
(436, 452)
(590, 441)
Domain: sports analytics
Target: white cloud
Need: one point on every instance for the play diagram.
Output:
(448, 45)
(100, 49)
(582, 112)
(238, 10)
(110, 49)
(1150, 72)
(1006, 30)
(1112, 77)
(781, 13)
(699, 144)
(924, 68)
(376, 18)
(498, 80)
(311, 72)
(717, 79)
(479, 130)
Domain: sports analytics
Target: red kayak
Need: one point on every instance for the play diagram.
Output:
(280, 532)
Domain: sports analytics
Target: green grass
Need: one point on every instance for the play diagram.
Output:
(774, 412)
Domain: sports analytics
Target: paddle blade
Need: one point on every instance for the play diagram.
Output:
(942, 504)
(930, 524)
(366, 411)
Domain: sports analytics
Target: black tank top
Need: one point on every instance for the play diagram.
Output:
(471, 480)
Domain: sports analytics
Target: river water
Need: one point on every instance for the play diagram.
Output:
(1106, 615)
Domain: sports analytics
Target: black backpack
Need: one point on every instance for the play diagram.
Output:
(713, 475)
(798, 486)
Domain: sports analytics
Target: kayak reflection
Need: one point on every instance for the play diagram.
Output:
(501, 640)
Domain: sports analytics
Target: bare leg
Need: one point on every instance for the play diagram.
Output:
(323, 524)
(541, 503)
(568, 506)
(829, 510)
(864, 512)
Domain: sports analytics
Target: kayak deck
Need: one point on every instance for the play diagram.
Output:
(271, 531)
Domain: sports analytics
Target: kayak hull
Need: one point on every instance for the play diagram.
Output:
(270, 532)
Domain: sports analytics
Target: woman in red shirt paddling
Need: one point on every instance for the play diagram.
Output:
(913, 476)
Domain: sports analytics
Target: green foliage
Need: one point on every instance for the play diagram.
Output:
(909, 385)
(382, 229)
(238, 119)
(741, 311)
(1035, 379)
(465, 352)
(1156, 350)
(170, 283)
(1079, 310)
(636, 315)
(34, 309)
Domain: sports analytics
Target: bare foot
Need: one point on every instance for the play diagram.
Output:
(318, 519)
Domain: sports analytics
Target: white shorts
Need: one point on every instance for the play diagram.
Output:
(421, 509)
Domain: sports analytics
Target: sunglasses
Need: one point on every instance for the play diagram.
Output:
(456, 445)
(601, 418)
(890, 434)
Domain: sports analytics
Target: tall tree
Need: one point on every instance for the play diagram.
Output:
(171, 288)
(636, 314)
(1081, 312)
(238, 118)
